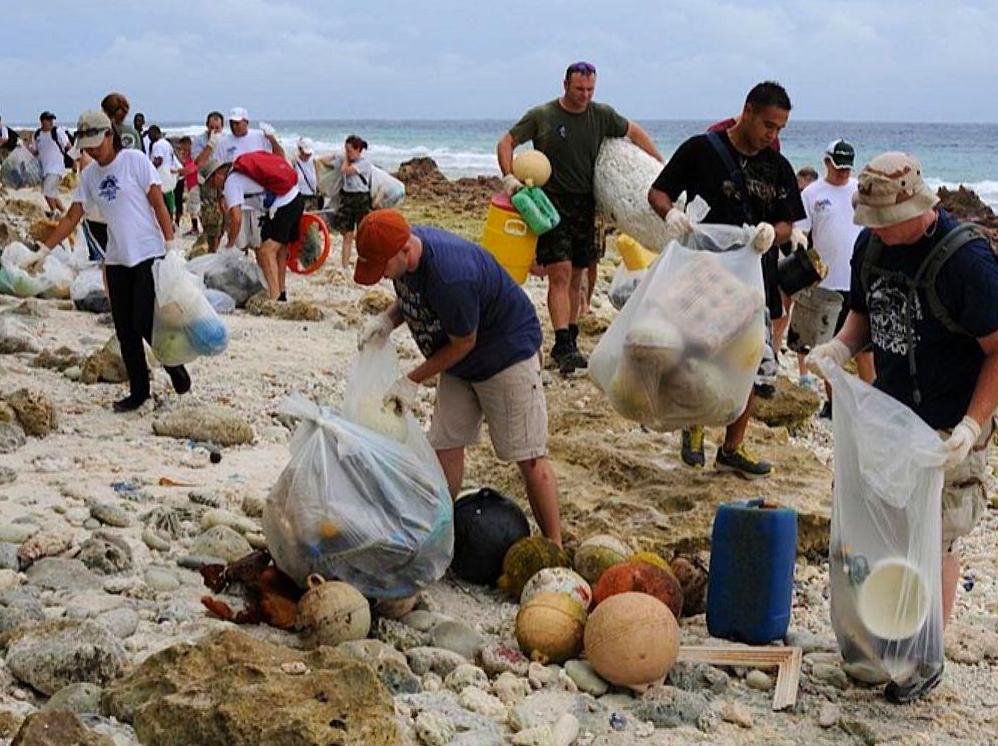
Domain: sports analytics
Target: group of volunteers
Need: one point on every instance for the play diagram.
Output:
(917, 292)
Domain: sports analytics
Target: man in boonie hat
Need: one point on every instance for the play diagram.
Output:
(479, 332)
(924, 292)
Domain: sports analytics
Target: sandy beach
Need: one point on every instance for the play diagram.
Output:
(99, 477)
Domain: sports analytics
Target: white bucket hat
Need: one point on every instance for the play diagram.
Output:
(891, 190)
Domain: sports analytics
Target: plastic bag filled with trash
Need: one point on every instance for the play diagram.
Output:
(386, 190)
(14, 278)
(685, 349)
(87, 291)
(230, 271)
(625, 281)
(360, 505)
(20, 169)
(885, 553)
(185, 326)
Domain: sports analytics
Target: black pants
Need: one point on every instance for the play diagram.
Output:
(178, 198)
(133, 300)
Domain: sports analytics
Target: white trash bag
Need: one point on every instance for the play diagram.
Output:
(359, 506)
(230, 271)
(16, 254)
(886, 544)
(685, 349)
(20, 169)
(625, 282)
(87, 291)
(185, 326)
(58, 275)
(386, 190)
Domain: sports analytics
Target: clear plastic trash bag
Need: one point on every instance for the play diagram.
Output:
(686, 347)
(230, 271)
(386, 190)
(357, 505)
(223, 303)
(21, 170)
(625, 282)
(14, 280)
(16, 254)
(87, 291)
(185, 326)
(58, 275)
(886, 538)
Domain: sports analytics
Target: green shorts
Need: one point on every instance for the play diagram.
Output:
(171, 202)
(353, 207)
(574, 239)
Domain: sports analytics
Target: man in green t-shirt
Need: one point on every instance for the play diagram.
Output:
(569, 131)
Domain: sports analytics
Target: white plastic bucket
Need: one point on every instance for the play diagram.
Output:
(893, 602)
(812, 318)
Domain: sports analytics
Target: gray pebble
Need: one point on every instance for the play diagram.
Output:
(829, 715)
(122, 622)
(830, 674)
(111, 515)
(82, 699)
(458, 637)
(155, 540)
(588, 681)
(17, 533)
(757, 679)
(197, 561)
(161, 579)
(8, 556)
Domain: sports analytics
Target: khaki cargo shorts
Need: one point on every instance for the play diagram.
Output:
(965, 496)
(50, 185)
(512, 404)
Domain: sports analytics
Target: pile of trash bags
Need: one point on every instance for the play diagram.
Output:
(231, 272)
(21, 170)
(685, 348)
(363, 498)
(185, 325)
(28, 274)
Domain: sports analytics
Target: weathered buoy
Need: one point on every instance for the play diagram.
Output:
(597, 553)
(640, 577)
(632, 639)
(525, 559)
(486, 525)
(332, 612)
(532, 167)
(550, 627)
(558, 580)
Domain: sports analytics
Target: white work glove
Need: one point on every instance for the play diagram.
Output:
(402, 394)
(798, 238)
(174, 245)
(511, 185)
(267, 129)
(213, 140)
(961, 440)
(376, 329)
(765, 234)
(834, 351)
(677, 223)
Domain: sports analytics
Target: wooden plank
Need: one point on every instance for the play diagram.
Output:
(786, 660)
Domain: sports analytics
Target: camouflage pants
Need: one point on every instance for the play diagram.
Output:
(212, 217)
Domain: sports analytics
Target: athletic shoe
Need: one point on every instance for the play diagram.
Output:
(130, 403)
(567, 358)
(826, 411)
(692, 447)
(742, 463)
(915, 688)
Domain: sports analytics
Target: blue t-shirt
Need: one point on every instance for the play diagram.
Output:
(459, 288)
(947, 364)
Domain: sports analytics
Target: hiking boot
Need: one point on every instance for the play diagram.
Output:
(568, 358)
(916, 687)
(826, 411)
(130, 403)
(692, 447)
(742, 463)
(283, 297)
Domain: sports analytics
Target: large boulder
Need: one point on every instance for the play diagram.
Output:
(230, 689)
(58, 728)
(790, 406)
(55, 654)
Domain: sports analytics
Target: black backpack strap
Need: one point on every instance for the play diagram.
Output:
(736, 173)
(925, 278)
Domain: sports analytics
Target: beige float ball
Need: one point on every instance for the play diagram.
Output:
(332, 612)
(558, 580)
(532, 167)
(597, 553)
(550, 626)
(632, 639)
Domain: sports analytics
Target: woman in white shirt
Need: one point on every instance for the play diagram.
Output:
(308, 180)
(125, 188)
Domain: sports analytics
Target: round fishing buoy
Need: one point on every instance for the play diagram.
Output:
(332, 612)
(632, 639)
(308, 252)
(525, 559)
(486, 525)
(532, 167)
(652, 558)
(692, 574)
(558, 580)
(550, 627)
(597, 553)
(640, 577)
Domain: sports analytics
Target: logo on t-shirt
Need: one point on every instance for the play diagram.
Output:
(888, 306)
(108, 188)
(822, 204)
(562, 131)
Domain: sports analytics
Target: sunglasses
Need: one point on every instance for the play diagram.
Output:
(91, 131)
(586, 68)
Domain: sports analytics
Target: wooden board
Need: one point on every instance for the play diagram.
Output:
(786, 660)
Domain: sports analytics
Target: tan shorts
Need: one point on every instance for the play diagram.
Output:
(249, 231)
(511, 402)
(50, 185)
(965, 496)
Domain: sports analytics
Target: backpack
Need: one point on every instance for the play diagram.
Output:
(270, 171)
(924, 280)
(67, 161)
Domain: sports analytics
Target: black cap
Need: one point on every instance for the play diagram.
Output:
(841, 154)
(46, 115)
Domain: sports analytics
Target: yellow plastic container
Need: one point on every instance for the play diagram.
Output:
(508, 238)
(635, 255)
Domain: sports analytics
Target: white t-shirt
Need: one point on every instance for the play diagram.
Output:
(162, 149)
(829, 220)
(4, 134)
(307, 181)
(120, 191)
(242, 191)
(49, 153)
(232, 146)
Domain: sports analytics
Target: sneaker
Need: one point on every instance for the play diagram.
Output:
(826, 411)
(130, 403)
(742, 463)
(692, 447)
(915, 688)
(568, 359)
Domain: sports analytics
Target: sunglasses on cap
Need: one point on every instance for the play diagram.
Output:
(586, 68)
(90, 132)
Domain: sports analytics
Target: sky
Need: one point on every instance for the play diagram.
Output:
(855, 60)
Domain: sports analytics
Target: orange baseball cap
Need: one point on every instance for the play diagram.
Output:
(380, 236)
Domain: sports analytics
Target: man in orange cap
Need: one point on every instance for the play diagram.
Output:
(478, 330)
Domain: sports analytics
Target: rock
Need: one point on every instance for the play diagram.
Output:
(12, 434)
(222, 542)
(545, 707)
(422, 620)
(809, 642)
(58, 728)
(17, 533)
(197, 561)
(585, 678)
(7, 475)
(111, 515)
(458, 637)
(829, 715)
(540, 675)
(434, 729)
(121, 622)
(206, 423)
(296, 310)
(22, 615)
(477, 738)
(830, 674)
(34, 411)
(865, 731)
(45, 543)
(79, 698)
(15, 337)
(668, 707)
(106, 554)
(756, 679)
(737, 713)
(58, 573)
(474, 699)
(497, 658)
(253, 505)
(399, 636)
(229, 689)
(60, 359)
(55, 654)
(162, 580)
(562, 732)
(219, 517)
(693, 677)
(510, 688)
(8, 556)
(375, 301)
(464, 676)
(390, 664)
(10, 723)
(970, 644)
(422, 660)
(791, 406)
(8, 579)
(105, 365)
(155, 540)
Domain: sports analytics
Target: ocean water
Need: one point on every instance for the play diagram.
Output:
(951, 154)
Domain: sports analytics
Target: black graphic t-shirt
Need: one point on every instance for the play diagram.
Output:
(947, 364)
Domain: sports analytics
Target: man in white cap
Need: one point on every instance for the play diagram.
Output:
(304, 165)
(924, 292)
(51, 145)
